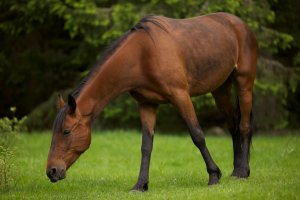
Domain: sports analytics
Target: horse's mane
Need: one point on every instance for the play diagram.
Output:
(115, 45)
(141, 25)
(106, 55)
(59, 119)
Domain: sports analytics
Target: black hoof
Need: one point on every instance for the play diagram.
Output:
(241, 173)
(140, 187)
(214, 177)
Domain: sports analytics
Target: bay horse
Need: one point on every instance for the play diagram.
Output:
(164, 60)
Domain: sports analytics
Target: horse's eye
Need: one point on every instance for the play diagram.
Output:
(67, 132)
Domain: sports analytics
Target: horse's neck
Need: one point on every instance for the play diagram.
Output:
(114, 77)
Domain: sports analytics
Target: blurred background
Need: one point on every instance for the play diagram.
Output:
(47, 47)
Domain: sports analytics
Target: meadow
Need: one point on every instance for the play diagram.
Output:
(110, 168)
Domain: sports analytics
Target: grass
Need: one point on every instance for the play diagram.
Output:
(110, 168)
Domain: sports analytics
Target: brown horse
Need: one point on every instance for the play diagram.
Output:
(163, 60)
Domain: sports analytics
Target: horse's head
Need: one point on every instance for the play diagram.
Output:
(71, 137)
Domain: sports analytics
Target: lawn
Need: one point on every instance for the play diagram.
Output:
(110, 168)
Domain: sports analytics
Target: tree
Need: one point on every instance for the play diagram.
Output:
(49, 45)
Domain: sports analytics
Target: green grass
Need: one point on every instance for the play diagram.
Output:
(110, 168)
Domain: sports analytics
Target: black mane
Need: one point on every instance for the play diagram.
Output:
(141, 25)
(106, 55)
(111, 49)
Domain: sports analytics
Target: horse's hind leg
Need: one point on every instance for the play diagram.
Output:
(222, 96)
(183, 102)
(245, 75)
(239, 124)
(243, 134)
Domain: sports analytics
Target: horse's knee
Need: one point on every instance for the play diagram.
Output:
(245, 129)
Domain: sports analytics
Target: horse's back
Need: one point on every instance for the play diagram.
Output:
(207, 46)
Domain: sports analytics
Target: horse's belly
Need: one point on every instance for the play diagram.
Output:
(208, 67)
(207, 77)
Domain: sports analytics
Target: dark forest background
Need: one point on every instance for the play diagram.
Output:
(47, 47)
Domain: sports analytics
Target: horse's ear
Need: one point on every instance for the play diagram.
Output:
(72, 104)
(60, 102)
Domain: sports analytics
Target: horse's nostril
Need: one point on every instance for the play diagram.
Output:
(52, 174)
(56, 173)
(53, 170)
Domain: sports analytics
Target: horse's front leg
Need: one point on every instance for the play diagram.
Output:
(148, 118)
(183, 102)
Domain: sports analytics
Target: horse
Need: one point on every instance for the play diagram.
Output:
(164, 60)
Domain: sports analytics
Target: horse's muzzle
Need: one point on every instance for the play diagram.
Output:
(56, 173)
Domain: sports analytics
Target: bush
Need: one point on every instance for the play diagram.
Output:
(9, 131)
(275, 96)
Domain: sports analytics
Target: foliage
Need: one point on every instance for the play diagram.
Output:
(109, 168)
(279, 93)
(48, 45)
(287, 20)
(9, 130)
(42, 117)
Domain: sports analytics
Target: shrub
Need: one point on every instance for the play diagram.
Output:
(9, 131)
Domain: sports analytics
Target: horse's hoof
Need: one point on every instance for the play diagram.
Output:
(213, 179)
(241, 173)
(140, 187)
